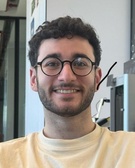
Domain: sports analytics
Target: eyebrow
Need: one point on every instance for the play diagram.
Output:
(76, 55)
(53, 55)
(58, 55)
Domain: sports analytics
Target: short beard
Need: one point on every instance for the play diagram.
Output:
(66, 111)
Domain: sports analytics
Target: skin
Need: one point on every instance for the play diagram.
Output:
(67, 115)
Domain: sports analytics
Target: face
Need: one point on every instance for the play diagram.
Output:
(65, 94)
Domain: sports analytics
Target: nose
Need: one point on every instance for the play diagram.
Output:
(67, 74)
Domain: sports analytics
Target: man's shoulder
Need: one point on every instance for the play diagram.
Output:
(18, 142)
(120, 135)
(12, 152)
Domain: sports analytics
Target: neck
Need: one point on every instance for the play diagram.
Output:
(58, 127)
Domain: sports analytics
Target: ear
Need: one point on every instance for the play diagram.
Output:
(98, 75)
(33, 79)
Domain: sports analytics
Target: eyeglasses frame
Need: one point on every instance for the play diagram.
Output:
(62, 62)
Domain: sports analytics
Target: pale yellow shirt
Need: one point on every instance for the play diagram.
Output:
(99, 149)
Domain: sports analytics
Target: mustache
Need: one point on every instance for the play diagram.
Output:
(68, 85)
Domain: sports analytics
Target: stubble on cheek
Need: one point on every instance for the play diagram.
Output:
(66, 110)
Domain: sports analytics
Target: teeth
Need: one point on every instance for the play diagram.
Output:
(66, 91)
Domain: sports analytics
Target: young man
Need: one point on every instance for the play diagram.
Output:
(64, 56)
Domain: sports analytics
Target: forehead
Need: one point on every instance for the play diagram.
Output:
(65, 47)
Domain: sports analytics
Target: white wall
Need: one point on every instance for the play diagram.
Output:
(111, 19)
(34, 116)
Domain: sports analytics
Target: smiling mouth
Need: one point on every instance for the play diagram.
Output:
(66, 91)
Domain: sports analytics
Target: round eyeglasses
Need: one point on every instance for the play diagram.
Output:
(52, 66)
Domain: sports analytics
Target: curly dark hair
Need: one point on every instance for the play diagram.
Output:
(64, 27)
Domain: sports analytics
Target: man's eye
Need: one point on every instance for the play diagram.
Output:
(79, 64)
(52, 64)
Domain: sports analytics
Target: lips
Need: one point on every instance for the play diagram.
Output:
(66, 88)
(65, 91)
